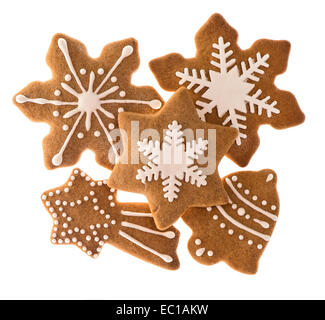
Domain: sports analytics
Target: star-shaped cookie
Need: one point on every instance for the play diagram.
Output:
(86, 213)
(233, 87)
(239, 231)
(179, 159)
(82, 100)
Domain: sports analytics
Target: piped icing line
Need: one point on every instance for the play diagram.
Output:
(22, 99)
(248, 203)
(154, 104)
(166, 234)
(62, 43)
(126, 51)
(264, 224)
(109, 137)
(57, 159)
(136, 214)
(166, 258)
(241, 226)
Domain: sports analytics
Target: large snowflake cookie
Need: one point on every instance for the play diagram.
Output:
(172, 158)
(86, 213)
(239, 231)
(82, 100)
(233, 87)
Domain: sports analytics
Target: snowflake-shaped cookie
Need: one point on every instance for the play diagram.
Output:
(172, 173)
(239, 231)
(86, 213)
(82, 101)
(232, 87)
(174, 162)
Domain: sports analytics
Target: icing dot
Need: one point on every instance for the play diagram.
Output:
(247, 217)
(250, 242)
(96, 208)
(67, 77)
(222, 225)
(254, 198)
(273, 208)
(113, 222)
(120, 110)
(57, 93)
(51, 194)
(110, 198)
(100, 71)
(215, 217)
(80, 135)
(246, 191)
(230, 232)
(209, 209)
(97, 134)
(102, 211)
(65, 127)
(259, 247)
(88, 238)
(198, 242)
(234, 178)
(264, 202)
(241, 211)
(82, 71)
(56, 113)
(239, 185)
(234, 206)
(93, 184)
(113, 79)
(105, 225)
(105, 237)
(86, 198)
(241, 237)
(122, 94)
(210, 253)
(112, 204)
(111, 126)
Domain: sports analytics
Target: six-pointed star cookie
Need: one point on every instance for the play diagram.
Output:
(233, 87)
(239, 231)
(82, 100)
(173, 174)
(86, 213)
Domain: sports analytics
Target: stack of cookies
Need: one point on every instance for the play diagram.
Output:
(167, 151)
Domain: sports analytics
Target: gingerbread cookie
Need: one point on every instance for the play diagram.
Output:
(233, 87)
(239, 231)
(180, 153)
(86, 213)
(82, 100)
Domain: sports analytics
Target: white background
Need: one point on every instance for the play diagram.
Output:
(293, 264)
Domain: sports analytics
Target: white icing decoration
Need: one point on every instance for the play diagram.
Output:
(166, 258)
(65, 127)
(83, 71)
(167, 234)
(199, 252)
(174, 163)
(241, 211)
(57, 93)
(135, 214)
(97, 134)
(122, 94)
(80, 135)
(67, 77)
(273, 208)
(269, 177)
(248, 203)
(113, 79)
(264, 224)
(100, 71)
(228, 89)
(241, 226)
(198, 242)
(111, 126)
(119, 110)
(56, 113)
(89, 102)
(210, 253)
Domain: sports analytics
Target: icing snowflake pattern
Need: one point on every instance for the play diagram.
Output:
(174, 162)
(89, 101)
(228, 89)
